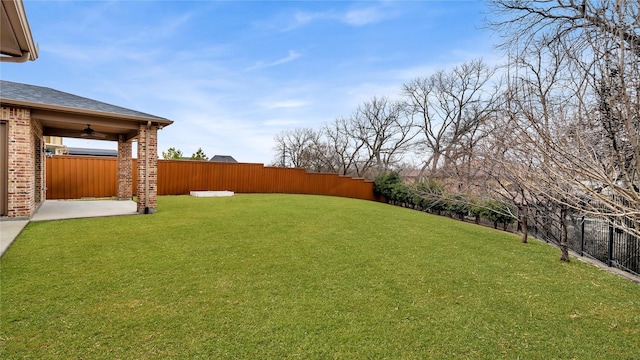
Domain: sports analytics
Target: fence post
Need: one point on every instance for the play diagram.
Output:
(610, 249)
(582, 238)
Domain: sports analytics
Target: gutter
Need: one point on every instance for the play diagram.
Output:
(17, 17)
(83, 112)
(16, 59)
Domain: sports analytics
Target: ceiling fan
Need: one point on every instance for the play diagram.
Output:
(88, 132)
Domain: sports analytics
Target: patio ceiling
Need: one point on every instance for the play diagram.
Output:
(66, 115)
(71, 124)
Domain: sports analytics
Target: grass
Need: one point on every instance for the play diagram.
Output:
(289, 276)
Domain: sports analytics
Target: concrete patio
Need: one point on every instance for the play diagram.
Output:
(65, 209)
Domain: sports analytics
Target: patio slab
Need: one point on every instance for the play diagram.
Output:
(72, 209)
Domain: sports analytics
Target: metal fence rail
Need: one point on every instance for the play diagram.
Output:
(599, 238)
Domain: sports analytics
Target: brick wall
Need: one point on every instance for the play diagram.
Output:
(147, 204)
(26, 180)
(39, 163)
(125, 174)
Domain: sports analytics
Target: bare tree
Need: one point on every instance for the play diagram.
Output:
(574, 83)
(525, 22)
(503, 174)
(450, 107)
(381, 125)
(296, 148)
(345, 153)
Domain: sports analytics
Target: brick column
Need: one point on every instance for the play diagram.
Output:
(147, 165)
(125, 170)
(21, 162)
(40, 179)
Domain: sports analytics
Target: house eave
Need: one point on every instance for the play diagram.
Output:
(17, 41)
(62, 121)
(62, 110)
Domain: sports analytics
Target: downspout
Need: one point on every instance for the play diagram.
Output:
(146, 168)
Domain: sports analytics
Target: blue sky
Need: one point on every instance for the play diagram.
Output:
(233, 74)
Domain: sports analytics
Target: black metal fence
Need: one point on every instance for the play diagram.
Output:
(599, 238)
(603, 240)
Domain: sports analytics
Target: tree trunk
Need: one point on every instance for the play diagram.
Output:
(525, 231)
(564, 243)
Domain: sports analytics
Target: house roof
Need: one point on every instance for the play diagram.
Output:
(223, 158)
(47, 97)
(92, 152)
(16, 41)
(64, 114)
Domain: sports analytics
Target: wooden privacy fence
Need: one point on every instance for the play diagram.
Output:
(75, 177)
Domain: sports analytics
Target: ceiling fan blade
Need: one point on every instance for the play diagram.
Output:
(99, 135)
(61, 133)
(93, 135)
(88, 132)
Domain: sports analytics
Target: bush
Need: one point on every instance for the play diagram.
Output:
(384, 184)
(476, 209)
(495, 212)
(457, 205)
(401, 193)
(429, 194)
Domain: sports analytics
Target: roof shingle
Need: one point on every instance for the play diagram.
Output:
(47, 96)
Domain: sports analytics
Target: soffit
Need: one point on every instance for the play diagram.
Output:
(15, 33)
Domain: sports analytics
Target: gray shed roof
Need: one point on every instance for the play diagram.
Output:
(223, 158)
(33, 95)
(92, 152)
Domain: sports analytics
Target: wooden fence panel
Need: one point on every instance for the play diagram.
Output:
(74, 177)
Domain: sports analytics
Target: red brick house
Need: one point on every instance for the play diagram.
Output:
(28, 113)
(31, 112)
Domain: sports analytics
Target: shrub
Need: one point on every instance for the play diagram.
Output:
(429, 194)
(385, 182)
(476, 209)
(401, 193)
(457, 205)
(496, 212)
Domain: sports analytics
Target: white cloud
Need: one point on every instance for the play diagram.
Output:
(352, 17)
(281, 122)
(303, 18)
(362, 17)
(90, 55)
(284, 104)
(293, 55)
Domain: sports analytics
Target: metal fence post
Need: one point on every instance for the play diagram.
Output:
(582, 238)
(610, 249)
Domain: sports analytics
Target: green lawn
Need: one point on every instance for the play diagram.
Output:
(308, 277)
